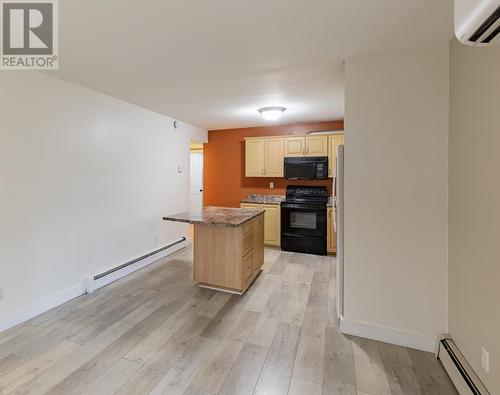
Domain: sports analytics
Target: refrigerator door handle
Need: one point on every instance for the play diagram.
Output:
(335, 210)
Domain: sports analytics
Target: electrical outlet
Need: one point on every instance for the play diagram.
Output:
(485, 360)
(271, 185)
(1, 294)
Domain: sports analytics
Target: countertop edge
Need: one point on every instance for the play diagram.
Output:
(216, 223)
(253, 202)
(329, 204)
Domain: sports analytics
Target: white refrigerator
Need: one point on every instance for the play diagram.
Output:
(339, 227)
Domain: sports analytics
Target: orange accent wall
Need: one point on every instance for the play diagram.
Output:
(224, 178)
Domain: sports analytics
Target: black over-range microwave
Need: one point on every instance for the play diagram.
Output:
(306, 168)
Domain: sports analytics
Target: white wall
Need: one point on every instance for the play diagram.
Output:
(474, 207)
(396, 148)
(85, 180)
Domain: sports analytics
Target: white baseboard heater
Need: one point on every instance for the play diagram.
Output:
(459, 370)
(93, 282)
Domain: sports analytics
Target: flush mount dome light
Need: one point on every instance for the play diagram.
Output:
(271, 113)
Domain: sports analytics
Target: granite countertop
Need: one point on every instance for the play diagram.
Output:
(221, 216)
(264, 199)
(272, 199)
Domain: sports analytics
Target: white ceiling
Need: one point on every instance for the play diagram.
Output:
(213, 63)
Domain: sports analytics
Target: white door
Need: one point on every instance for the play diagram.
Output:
(196, 177)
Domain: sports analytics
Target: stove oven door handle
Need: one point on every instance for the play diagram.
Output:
(303, 208)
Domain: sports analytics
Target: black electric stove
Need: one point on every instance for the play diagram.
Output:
(304, 219)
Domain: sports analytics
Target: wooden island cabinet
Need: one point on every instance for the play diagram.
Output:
(228, 246)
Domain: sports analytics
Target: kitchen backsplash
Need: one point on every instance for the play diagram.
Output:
(270, 199)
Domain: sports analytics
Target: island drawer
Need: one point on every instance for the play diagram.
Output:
(247, 228)
(248, 266)
(248, 237)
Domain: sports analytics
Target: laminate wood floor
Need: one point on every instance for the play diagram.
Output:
(156, 332)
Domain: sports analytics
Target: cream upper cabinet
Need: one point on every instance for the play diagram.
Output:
(273, 157)
(254, 158)
(316, 145)
(333, 142)
(295, 146)
(306, 146)
(264, 157)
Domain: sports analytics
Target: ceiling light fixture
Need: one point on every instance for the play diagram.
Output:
(271, 113)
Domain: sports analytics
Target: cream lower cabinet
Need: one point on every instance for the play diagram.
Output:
(330, 232)
(264, 157)
(272, 222)
(333, 142)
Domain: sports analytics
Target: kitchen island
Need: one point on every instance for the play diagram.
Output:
(228, 246)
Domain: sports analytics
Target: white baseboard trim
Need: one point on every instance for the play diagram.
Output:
(88, 285)
(26, 313)
(389, 335)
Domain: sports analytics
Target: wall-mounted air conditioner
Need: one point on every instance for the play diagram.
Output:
(477, 22)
